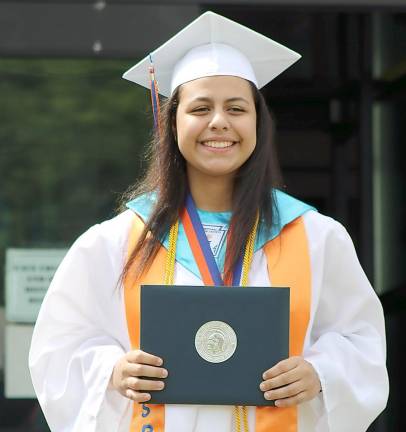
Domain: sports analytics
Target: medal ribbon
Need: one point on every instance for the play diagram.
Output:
(208, 268)
(201, 248)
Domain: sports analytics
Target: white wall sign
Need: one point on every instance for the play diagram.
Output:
(17, 380)
(28, 275)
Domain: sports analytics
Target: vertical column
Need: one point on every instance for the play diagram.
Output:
(365, 140)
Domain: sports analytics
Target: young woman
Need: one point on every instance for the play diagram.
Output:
(213, 149)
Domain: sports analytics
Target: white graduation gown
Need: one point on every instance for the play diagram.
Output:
(81, 332)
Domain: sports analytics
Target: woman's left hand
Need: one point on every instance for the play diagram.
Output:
(299, 380)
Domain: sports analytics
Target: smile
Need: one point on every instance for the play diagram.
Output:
(218, 144)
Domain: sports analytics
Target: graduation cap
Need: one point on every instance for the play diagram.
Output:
(210, 45)
(213, 45)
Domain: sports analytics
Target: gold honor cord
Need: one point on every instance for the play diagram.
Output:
(247, 260)
(171, 255)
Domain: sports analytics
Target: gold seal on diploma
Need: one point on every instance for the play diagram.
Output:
(215, 341)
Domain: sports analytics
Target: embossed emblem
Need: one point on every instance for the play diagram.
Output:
(215, 341)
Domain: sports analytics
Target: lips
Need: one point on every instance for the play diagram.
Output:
(218, 144)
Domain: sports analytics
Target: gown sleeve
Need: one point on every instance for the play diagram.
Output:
(80, 334)
(347, 339)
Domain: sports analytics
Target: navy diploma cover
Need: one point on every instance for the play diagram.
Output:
(216, 342)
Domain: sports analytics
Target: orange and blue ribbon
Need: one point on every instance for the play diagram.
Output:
(201, 250)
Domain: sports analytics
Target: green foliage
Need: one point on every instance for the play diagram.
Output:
(72, 138)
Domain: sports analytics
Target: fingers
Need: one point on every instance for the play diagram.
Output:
(282, 367)
(135, 388)
(295, 400)
(290, 382)
(138, 356)
(141, 370)
(281, 380)
(139, 384)
(136, 396)
(287, 391)
(130, 371)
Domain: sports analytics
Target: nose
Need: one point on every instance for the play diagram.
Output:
(219, 121)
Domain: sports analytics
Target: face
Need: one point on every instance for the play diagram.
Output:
(216, 125)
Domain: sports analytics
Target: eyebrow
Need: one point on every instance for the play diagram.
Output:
(206, 99)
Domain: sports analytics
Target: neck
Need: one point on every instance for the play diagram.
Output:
(211, 193)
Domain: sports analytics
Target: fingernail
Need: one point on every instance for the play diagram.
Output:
(264, 376)
(277, 403)
(160, 361)
(164, 373)
(161, 385)
(262, 386)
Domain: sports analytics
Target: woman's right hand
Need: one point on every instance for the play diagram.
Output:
(126, 374)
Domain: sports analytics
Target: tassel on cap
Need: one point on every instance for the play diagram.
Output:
(154, 96)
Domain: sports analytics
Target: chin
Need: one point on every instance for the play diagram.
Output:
(219, 172)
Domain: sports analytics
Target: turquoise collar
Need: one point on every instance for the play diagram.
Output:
(289, 209)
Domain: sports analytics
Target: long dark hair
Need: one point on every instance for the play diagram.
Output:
(166, 178)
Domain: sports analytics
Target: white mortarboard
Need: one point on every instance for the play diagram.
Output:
(213, 45)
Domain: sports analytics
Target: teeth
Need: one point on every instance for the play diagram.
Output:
(218, 144)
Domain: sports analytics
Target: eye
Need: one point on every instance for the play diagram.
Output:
(200, 109)
(237, 109)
